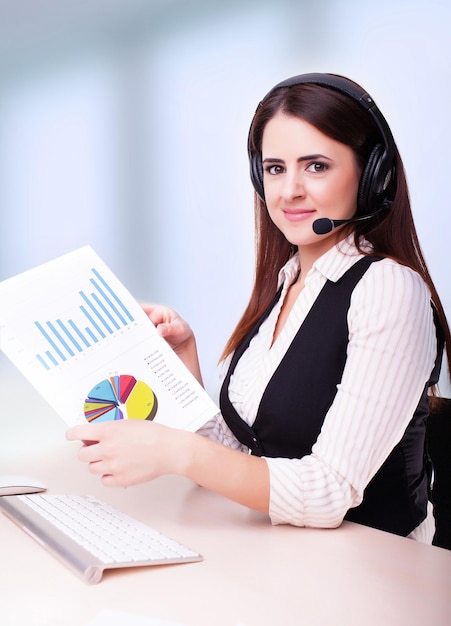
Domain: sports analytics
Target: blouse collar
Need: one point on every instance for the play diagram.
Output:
(332, 264)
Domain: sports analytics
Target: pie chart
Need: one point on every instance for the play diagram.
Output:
(120, 397)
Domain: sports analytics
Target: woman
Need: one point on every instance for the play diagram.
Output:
(329, 368)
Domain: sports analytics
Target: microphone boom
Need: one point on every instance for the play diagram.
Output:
(325, 225)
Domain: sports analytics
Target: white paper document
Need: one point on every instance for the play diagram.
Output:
(87, 346)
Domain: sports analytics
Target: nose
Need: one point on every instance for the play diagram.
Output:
(293, 185)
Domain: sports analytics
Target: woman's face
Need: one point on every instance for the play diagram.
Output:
(307, 176)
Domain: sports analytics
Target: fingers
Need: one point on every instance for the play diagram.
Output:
(81, 432)
(89, 436)
(108, 480)
(91, 452)
(123, 452)
(164, 319)
(159, 314)
(147, 308)
(153, 313)
(169, 325)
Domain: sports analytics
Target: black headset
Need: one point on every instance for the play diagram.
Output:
(376, 186)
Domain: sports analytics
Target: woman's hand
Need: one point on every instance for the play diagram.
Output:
(128, 452)
(169, 325)
(178, 334)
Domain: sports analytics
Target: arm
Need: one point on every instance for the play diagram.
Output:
(128, 452)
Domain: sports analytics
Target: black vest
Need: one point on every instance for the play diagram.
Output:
(300, 392)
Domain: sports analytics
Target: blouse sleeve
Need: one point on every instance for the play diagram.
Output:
(391, 352)
(217, 430)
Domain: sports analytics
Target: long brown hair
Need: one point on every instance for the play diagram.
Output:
(339, 117)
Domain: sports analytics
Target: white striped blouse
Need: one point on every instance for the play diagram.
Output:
(391, 353)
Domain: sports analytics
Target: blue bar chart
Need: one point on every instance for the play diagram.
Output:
(99, 314)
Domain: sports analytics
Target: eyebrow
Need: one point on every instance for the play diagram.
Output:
(308, 157)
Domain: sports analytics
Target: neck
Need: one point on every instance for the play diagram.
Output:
(308, 254)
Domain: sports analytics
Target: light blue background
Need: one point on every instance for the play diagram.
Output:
(123, 124)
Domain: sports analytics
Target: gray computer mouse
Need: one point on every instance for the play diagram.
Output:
(16, 484)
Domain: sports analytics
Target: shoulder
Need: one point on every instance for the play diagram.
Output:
(393, 287)
(390, 272)
(391, 314)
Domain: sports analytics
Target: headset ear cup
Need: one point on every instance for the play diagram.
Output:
(368, 185)
(257, 175)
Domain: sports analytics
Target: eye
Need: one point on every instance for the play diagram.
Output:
(317, 167)
(273, 170)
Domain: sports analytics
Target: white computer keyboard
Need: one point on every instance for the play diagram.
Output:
(90, 536)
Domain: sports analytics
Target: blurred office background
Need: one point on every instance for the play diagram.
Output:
(123, 124)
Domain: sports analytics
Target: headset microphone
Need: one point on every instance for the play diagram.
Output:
(325, 225)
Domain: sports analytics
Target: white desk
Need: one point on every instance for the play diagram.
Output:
(252, 573)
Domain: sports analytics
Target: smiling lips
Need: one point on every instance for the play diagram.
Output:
(297, 215)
